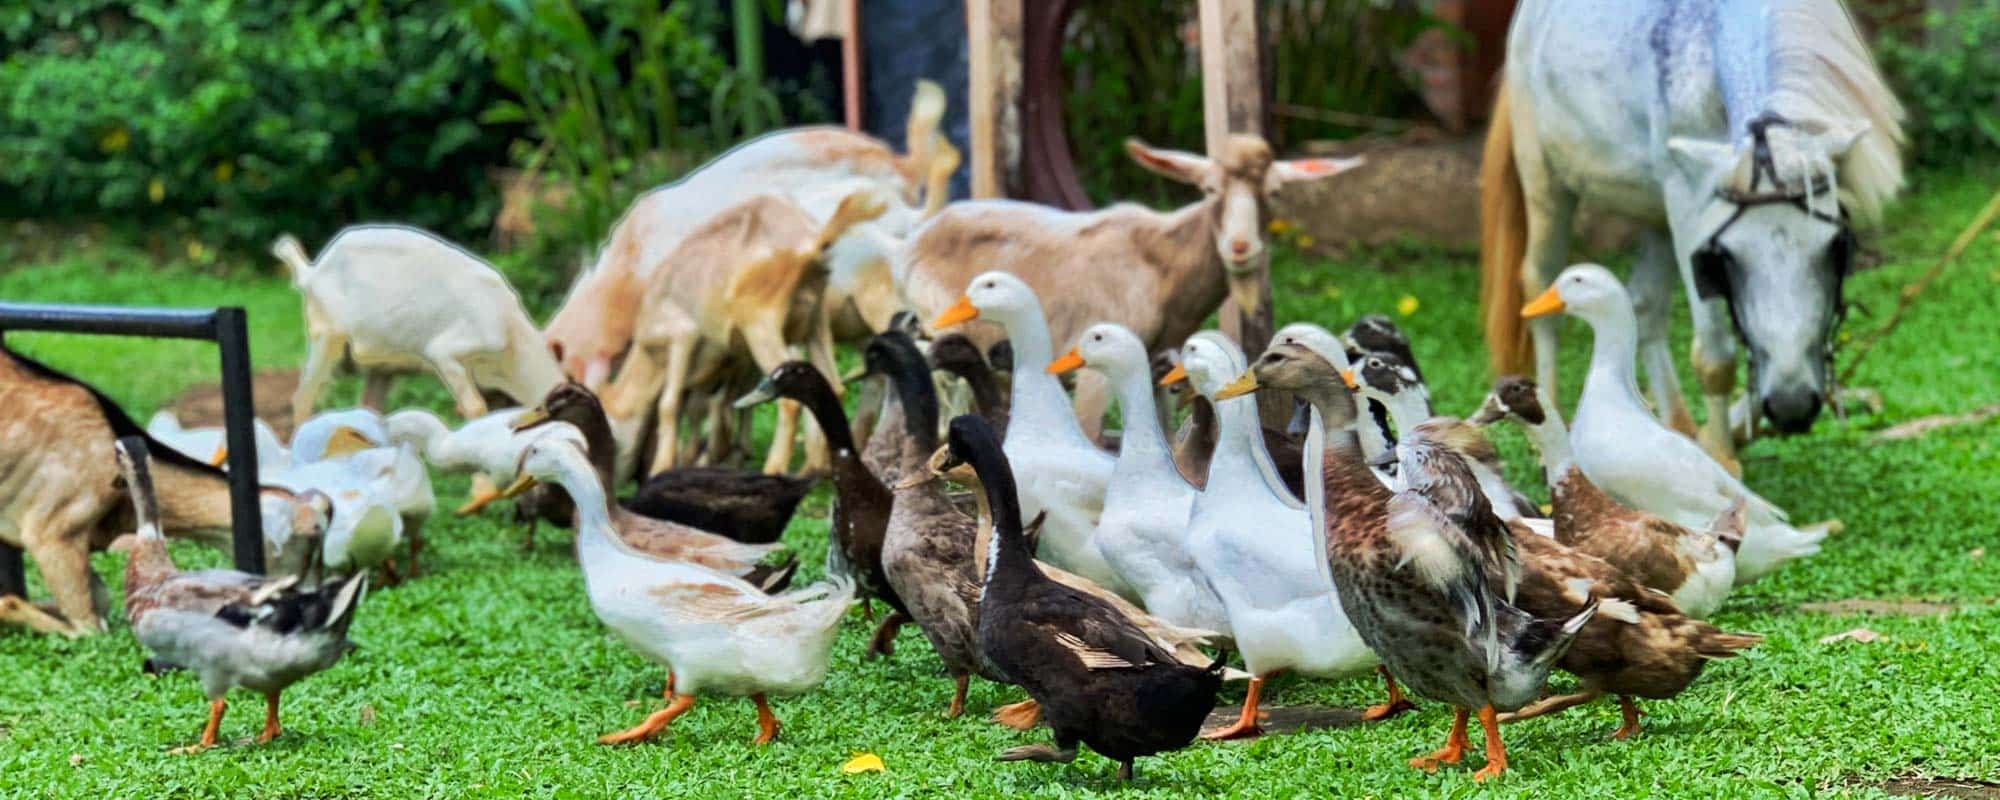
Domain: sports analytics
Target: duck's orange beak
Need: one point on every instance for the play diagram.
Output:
(1175, 375)
(1244, 384)
(1548, 303)
(1069, 361)
(961, 311)
(1347, 377)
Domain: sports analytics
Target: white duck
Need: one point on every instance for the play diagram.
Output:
(211, 444)
(1061, 472)
(717, 633)
(1625, 450)
(310, 439)
(1143, 530)
(488, 446)
(1255, 546)
(381, 497)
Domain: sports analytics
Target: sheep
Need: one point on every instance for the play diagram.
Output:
(398, 298)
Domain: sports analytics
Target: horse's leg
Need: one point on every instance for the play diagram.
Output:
(1551, 213)
(1714, 357)
(1652, 285)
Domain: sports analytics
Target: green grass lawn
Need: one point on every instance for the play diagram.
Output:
(490, 677)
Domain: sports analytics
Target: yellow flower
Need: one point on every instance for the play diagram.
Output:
(1279, 226)
(115, 141)
(1304, 241)
(156, 190)
(195, 250)
(862, 762)
(1330, 293)
(224, 171)
(1407, 305)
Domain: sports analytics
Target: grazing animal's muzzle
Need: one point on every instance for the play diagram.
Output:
(1792, 409)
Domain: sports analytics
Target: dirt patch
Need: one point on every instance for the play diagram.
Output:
(1290, 719)
(1915, 786)
(1879, 608)
(271, 390)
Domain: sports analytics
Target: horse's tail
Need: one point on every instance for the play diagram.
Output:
(1503, 243)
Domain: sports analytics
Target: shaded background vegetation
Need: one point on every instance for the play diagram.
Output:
(209, 126)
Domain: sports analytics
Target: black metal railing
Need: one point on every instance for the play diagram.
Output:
(226, 328)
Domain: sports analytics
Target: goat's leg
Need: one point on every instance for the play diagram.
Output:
(375, 386)
(819, 350)
(1652, 285)
(323, 353)
(667, 417)
(767, 349)
(62, 554)
(719, 426)
(471, 404)
(18, 611)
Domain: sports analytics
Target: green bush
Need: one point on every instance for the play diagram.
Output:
(239, 119)
(1948, 75)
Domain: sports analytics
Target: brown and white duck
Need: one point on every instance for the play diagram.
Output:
(1639, 644)
(230, 628)
(1697, 568)
(1416, 572)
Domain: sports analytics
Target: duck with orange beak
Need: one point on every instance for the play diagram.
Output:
(1624, 449)
(1060, 472)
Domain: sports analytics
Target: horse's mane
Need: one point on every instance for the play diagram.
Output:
(1822, 70)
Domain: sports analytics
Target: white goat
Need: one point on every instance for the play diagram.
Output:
(595, 325)
(750, 278)
(397, 298)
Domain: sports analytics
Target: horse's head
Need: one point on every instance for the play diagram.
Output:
(1769, 236)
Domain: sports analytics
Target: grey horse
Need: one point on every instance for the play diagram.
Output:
(1751, 138)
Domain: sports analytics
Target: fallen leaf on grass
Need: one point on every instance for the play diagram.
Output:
(1862, 635)
(862, 762)
(76, 759)
(1922, 425)
(367, 714)
(1894, 608)
(1976, 553)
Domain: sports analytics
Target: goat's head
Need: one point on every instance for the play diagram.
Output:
(1238, 185)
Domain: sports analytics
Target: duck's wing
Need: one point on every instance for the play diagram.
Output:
(279, 605)
(1093, 631)
(1446, 558)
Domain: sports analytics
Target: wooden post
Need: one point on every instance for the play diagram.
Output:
(850, 62)
(993, 65)
(1232, 95)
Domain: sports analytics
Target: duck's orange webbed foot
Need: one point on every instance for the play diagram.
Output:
(1245, 726)
(208, 732)
(1019, 716)
(653, 724)
(1496, 751)
(767, 722)
(1454, 745)
(1630, 711)
(1396, 704)
(270, 719)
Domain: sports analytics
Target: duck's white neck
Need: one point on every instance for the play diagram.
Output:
(1142, 447)
(1241, 463)
(420, 428)
(594, 531)
(1407, 409)
(1552, 439)
(1038, 404)
(1613, 355)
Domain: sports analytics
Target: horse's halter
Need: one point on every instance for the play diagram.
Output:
(1710, 261)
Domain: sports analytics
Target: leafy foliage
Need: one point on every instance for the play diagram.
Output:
(241, 119)
(1135, 69)
(1948, 76)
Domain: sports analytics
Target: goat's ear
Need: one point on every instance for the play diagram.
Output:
(1178, 165)
(1308, 169)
